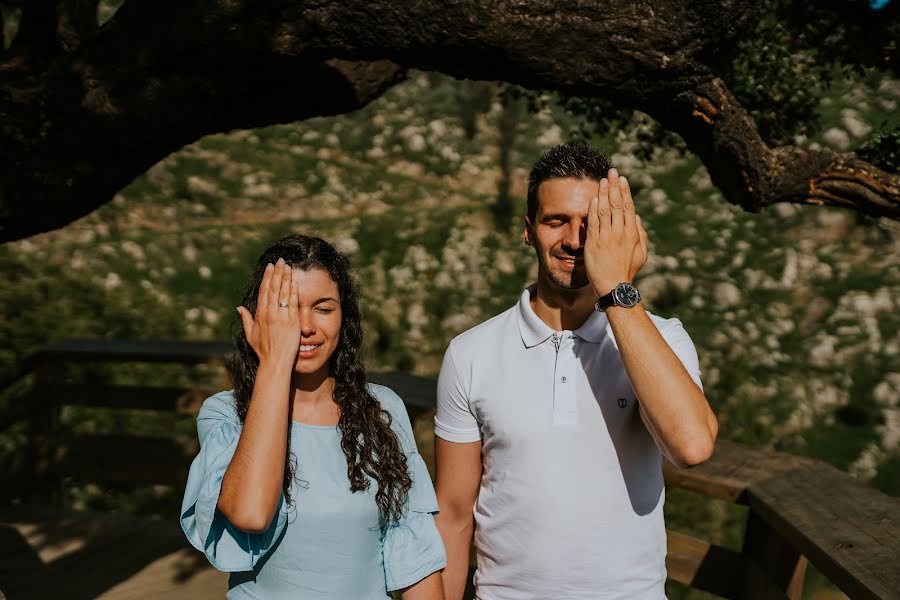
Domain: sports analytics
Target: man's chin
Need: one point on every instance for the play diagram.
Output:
(569, 282)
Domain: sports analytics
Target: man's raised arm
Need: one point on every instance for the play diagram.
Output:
(672, 405)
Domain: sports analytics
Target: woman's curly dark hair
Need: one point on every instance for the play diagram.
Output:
(370, 445)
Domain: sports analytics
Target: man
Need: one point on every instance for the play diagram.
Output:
(552, 415)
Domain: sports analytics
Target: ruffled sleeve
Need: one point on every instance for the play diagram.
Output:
(227, 547)
(412, 547)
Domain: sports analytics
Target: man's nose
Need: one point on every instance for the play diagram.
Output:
(576, 233)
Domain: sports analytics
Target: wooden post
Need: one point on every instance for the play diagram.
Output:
(44, 433)
(775, 569)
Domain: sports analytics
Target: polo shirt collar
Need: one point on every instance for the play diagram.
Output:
(534, 331)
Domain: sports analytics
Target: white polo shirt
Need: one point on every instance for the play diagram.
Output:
(571, 498)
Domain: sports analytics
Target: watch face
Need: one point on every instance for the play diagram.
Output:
(627, 295)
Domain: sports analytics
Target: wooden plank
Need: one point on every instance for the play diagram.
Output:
(731, 470)
(850, 532)
(417, 393)
(73, 554)
(181, 575)
(127, 459)
(190, 352)
(182, 401)
(704, 566)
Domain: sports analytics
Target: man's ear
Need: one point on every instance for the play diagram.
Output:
(526, 235)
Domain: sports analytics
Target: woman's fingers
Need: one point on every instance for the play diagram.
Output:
(294, 301)
(284, 294)
(275, 288)
(272, 333)
(246, 321)
(262, 297)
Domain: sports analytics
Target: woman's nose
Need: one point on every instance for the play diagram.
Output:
(307, 323)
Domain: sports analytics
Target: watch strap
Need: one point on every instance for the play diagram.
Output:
(612, 299)
(605, 301)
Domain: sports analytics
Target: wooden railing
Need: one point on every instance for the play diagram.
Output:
(798, 509)
(122, 457)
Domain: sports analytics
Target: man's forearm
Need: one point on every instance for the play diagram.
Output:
(677, 412)
(456, 533)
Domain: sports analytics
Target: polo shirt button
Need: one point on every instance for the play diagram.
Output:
(563, 379)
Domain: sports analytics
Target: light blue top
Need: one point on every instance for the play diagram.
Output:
(325, 544)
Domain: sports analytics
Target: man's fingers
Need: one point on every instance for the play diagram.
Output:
(603, 211)
(615, 201)
(593, 223)
(628, 205)
(262, 297)
(643, 235)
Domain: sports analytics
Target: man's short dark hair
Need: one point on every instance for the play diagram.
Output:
(574, 160)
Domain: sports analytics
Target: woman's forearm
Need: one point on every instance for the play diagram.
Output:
(429, 588)
(253, 481)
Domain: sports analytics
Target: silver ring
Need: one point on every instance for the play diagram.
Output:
(282, 305)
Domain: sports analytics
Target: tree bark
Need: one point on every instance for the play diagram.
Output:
(751, 174)
(84, 110)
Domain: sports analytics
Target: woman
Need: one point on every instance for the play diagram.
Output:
(308, 484)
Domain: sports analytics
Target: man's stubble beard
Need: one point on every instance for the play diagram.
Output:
(568, 281)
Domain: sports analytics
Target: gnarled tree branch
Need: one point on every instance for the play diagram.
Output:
(750, 173)
(161, 74)
(851, 182)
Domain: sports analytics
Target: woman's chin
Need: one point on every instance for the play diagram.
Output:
(309, 367)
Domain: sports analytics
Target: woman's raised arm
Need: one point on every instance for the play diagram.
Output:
(252, 485)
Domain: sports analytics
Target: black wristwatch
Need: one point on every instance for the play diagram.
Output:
(624, 295)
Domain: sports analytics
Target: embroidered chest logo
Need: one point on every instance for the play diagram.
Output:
(623, 402)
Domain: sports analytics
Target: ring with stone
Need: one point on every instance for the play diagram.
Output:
(282, 304)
